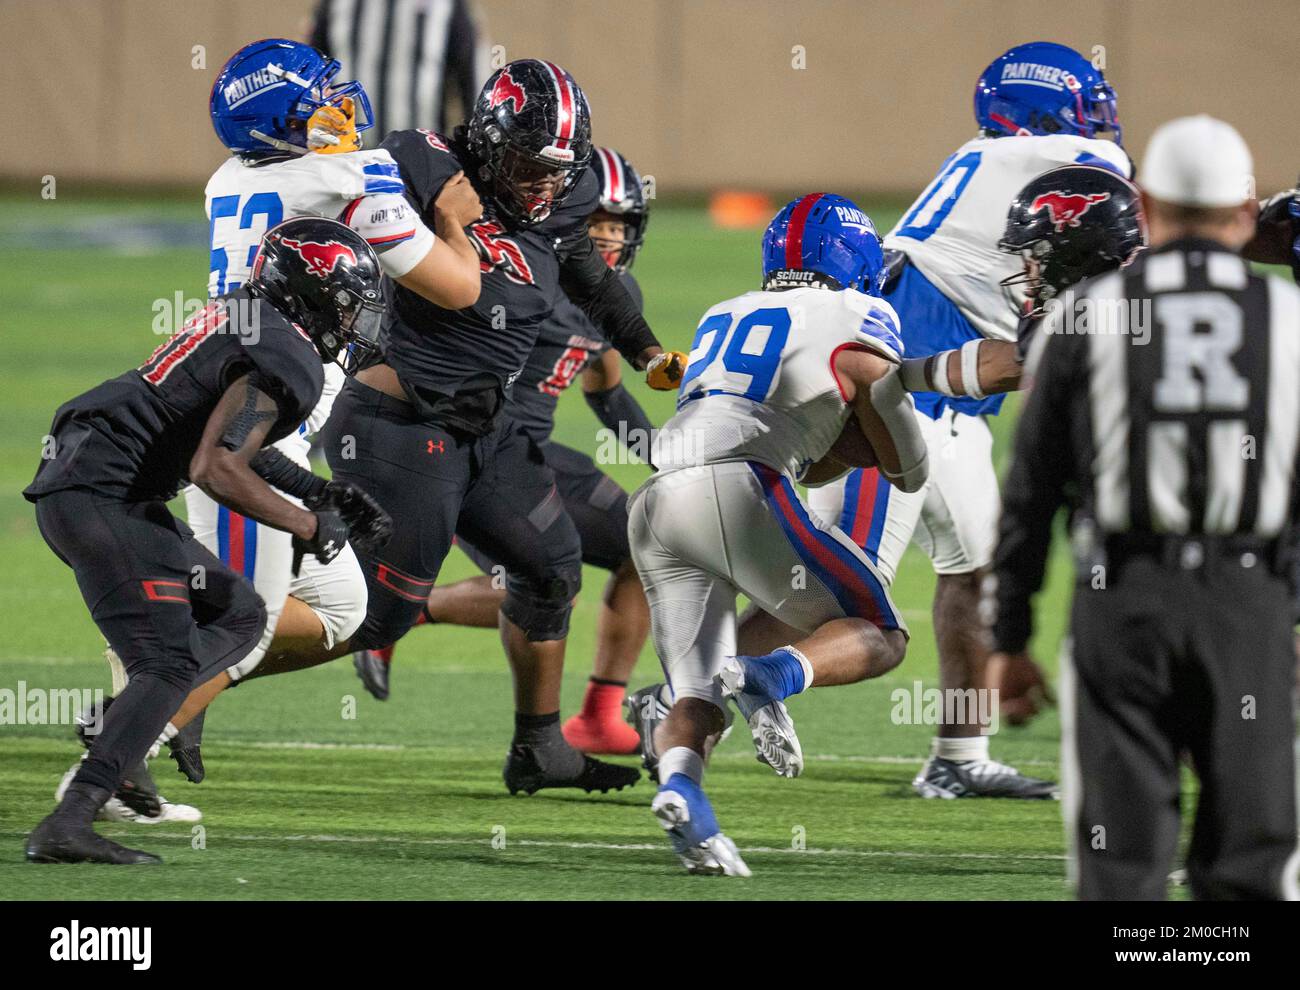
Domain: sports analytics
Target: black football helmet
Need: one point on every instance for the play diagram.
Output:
(322, 275)
(622, 196)
(1072, 222)
(531, 135)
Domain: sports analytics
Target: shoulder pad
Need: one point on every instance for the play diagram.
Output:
(878, 325)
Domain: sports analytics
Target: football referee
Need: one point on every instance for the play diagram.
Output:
(412, 56)
(1164, 414)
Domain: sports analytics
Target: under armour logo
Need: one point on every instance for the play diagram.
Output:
(436, 447)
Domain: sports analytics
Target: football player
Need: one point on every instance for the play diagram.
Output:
(568, 347)
(293, 131)
(424, 427)
(791, 383)
(1038, 106)
(243, 373)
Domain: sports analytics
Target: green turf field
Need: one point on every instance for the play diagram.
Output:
(405, 799)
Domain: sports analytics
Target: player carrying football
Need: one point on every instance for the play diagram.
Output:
(244, 372)
(792, 383)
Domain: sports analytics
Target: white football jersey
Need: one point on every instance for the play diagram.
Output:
(759, 385)
(951, 232)
(361, 188)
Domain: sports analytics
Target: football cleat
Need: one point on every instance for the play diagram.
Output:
(524, 771)
(598, 735)
(373, 670)
(60, 839)
(117, 810)
(686, 815)
(184, 748)
(770, 724)
(645, 709)
(949, 779)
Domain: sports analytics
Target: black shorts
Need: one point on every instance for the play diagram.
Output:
(595, 502)
(495, 491)
(158, 595)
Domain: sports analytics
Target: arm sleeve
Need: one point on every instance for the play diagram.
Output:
(616, 406)
(279, 472)
(597, 290)
(391, 226)
(1032, 493)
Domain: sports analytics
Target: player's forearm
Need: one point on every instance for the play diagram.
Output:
(618, 410)
(596, 289)
(449, 274)
(976, 369)
(225, 477)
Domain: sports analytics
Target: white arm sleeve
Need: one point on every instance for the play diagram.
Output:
(894, 407)
(391, 226)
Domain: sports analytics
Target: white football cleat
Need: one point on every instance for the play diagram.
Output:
(770, 724)
(116, 810)
(713, 855)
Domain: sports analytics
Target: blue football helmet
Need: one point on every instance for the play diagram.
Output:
(264, 95)
(1045, 88)
(823, 239)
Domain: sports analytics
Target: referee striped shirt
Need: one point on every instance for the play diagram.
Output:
(1165, 401)
(412, 56)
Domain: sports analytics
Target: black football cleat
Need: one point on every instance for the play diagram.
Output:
(373, 672)
(139, 792)
(63, 839)
(525, 772)
(184, 748)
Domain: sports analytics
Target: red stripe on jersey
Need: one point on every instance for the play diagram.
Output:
(391, 238)
(197, 329)
(351, 209)
(794, 234)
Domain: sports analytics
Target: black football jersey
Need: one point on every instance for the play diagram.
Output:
(437, 351)
(133, 436)
(567, 343)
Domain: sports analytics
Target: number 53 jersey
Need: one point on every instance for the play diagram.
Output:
(760, 385)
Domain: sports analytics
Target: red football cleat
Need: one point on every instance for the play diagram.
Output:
(606, 734)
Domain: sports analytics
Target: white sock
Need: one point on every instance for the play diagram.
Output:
(168, 734)
(967, 748)
(684, 760)
(803, 662)
(116, 670)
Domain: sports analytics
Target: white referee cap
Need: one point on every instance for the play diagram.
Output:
(1198, 161)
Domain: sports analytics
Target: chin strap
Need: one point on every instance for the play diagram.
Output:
(278, 144)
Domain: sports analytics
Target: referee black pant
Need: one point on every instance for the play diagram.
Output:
(1181, 663)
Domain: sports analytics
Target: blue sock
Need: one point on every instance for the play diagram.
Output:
(777, 675)
(703, 821)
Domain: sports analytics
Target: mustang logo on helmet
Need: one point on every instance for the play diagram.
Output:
(1065, 208)
(507, 90)
(321, 258)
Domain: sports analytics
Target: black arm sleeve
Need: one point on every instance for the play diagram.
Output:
(1032, 493)
(616, 406)
(424, 166)
(279, 472)
(596, 289)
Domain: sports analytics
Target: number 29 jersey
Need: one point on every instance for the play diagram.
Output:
(760, 385)
(951, 232)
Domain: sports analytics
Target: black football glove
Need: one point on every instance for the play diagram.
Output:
(369, 526)
(330, 539)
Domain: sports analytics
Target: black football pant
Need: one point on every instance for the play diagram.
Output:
(1175, 666)
(595, 502)
(173, 613)
(495, 491)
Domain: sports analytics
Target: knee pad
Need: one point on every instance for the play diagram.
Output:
(541, 606)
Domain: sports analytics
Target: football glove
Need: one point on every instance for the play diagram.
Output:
(332, 130)
(330, 539)
(665, 370)
(369, 526)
